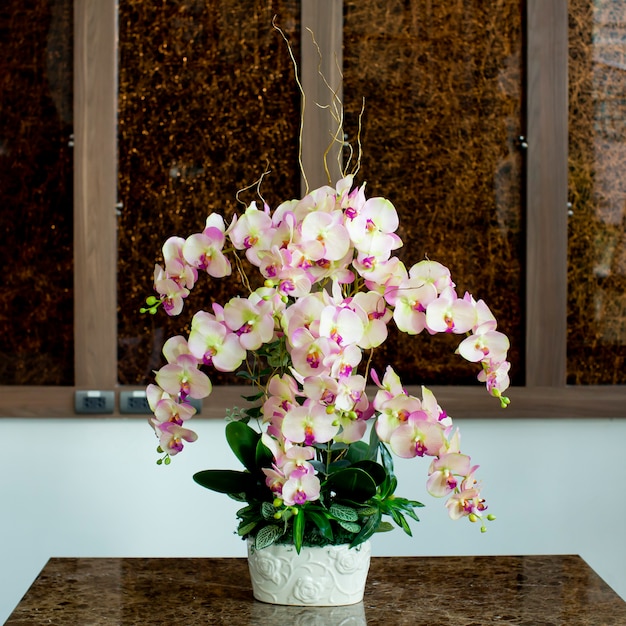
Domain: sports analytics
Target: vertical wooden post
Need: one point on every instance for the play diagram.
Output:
(95, 193)
(546, 189)
(321, 22)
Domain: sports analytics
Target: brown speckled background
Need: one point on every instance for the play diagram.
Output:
(37, 287)
(442, 88)
(597, 191)
(442, 118)
(207, 103)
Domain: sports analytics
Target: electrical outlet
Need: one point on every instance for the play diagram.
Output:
(94, 402)
(136, 402)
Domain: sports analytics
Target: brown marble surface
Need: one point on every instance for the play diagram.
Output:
(434, 591)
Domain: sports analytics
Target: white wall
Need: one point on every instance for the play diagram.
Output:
(90, 487)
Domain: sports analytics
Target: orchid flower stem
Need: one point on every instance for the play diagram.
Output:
(357, 167)
(328, 458)
(257, 184)
(252, 370)
(302, 95)
(369, 362)
(242, 272)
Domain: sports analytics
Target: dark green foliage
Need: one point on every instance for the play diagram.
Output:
(356, 492)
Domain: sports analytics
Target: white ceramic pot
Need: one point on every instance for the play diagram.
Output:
(318, 576)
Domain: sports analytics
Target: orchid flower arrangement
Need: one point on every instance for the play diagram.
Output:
(314, 473)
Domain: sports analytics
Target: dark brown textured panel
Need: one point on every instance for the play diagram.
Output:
(36, 310)
(597, 190)
(443, 110)
(440, 137)
(207, 103)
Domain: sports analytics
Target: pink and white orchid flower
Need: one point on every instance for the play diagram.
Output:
(183, 378)
(251, 319)
(417, 437)
(309, 424)
(331, 286)
(444, 473)
(450, 314)
(213, 343)
(204, 250)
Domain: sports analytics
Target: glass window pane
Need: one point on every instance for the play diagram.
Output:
(36, 308)
(207, 102)
(597, 190)
(441, 139)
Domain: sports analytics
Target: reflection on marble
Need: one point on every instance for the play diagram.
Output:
(350, 615)
(451, 591)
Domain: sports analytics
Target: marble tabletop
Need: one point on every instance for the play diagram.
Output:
(433, 591)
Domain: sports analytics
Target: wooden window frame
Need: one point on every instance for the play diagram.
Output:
(95, 239)
(95, 242)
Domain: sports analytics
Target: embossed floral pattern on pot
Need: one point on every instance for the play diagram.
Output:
(318, 576)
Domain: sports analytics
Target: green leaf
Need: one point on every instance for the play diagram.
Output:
(344, 513)
(278, 360)
(318, 466)
(351, 527)
(388, 487)
(267, 536)
(385, 527)
(255, 397)
(246, 510)
(263, 456)
(375, 470)
(243, 442)
(246, 375)
(238, 497)
(359, 451)
(268, 510)
(226, 481)
(322, 523)
(406, 506)
(387, 458)
(253, 412)
(352, 483)
(374, 444)
(298, 530)
(369, 528)
(336, 466)
(398, 518)
(366, 511)
(245, 529)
